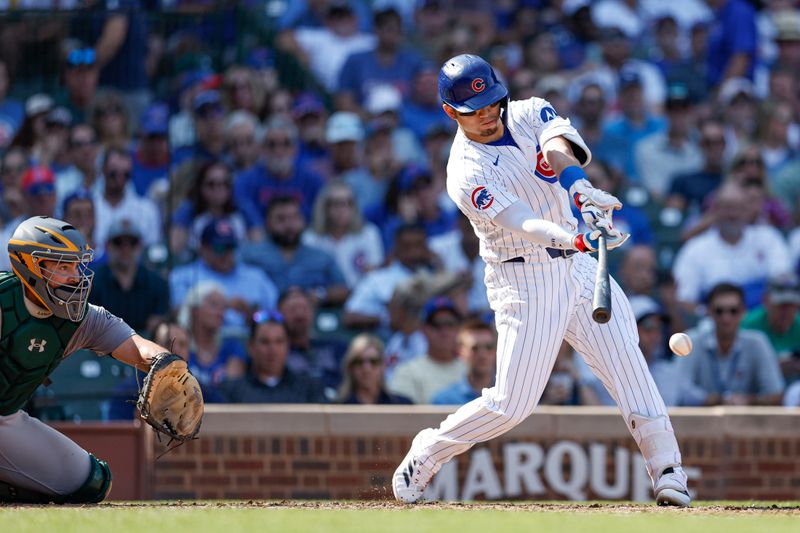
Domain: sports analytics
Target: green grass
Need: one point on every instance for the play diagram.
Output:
(727, 517)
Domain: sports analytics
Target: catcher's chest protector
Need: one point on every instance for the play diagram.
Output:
(30, 348)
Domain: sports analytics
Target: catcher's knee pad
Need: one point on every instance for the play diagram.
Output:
(657, 442)
(95, 488)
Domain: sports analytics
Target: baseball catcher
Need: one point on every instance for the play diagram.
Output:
(45, 316)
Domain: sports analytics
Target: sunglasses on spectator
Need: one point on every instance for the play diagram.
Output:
(125, 241)
(209, 111)
(119, 174)
(261, 316)
(110, 110)
(484, 346)
(750, 161)
(733, 311)
(753, 182)
(275, 143)
(340, 201)
(221, 249)
(80, 143)
(472, 113)
(441, 324)
(358, 362)
(217, 184)
(710, 141)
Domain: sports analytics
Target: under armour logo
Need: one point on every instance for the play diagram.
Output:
(37, 344)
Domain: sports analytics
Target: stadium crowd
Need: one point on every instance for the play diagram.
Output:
(263, 184)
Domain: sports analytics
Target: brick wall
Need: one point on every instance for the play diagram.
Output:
(349, 452)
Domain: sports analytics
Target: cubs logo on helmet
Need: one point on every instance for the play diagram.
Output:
(478, 85)
(543, 170)
(481, 198)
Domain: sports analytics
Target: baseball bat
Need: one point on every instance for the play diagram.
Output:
(601, 303)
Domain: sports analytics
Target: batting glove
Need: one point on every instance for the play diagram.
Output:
(590, 241)
(582, 192)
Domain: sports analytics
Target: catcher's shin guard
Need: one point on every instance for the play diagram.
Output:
(95, 488)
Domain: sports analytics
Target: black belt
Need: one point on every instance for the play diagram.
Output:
(552, 252)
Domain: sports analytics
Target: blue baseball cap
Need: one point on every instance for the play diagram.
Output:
(411, 174)
(155, 120)
(206, 99)
(219, 234)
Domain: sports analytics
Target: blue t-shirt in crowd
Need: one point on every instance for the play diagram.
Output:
(143, 176)
(733, 32)
(254, 188)
(456, 394)
(126, 70)
(214, 373)
(619, 142)
(420, 120)
(362, 70)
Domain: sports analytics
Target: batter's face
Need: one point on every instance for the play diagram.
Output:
(483, 126)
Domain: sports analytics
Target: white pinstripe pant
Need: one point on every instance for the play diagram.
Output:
(537, 306)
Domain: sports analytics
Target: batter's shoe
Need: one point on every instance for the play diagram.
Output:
(410, 478)
(671, 488)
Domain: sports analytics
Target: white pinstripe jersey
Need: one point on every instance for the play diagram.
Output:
(483, 179)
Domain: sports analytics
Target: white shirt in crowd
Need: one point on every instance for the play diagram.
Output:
(142, 211)
(448, 247)
(328, 52)
(355, 253)
(706, 260)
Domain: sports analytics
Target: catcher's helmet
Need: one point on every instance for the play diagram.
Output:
(468, 83)
(45, 238)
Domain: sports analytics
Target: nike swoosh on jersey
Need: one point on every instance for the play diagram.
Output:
(496, 160)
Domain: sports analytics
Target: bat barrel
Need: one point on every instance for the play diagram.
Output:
(601, 303)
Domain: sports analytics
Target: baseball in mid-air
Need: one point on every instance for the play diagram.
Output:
(680, 344)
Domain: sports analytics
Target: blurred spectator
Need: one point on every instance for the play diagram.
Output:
(309, 354)
(730, 251)
(589, 114)
(119, 199)
(773, 135)
(242, 90)
(406, 340)
(55, 152)
(383, 105)
(477, 348)
(324, 50)
(344, 134)
(78, 209)
(622, 135)
(14, 165)
(748, 172)
(242, 134)
(111, 120)
(246, 287)
(289, 262)
(12, 114)
(362, 369)
(213, 356)
(778, 319)
(181, 123)
(310, 116)
(422, 377)
(151, 156)
(338, 228)
(268, 380)
(738, 107)
(278, 175)
(31, 134)
(38, 198)
(458, 251)
(731, 366)
(638, 273)
(687, 191)
(422, 110)
(366, 307)
(389, 63)
(564, 386)
(125, 286)
(731, 41)
(210, 198)
(80, 76)
(209, 144)
(663, 155)
(83, 173)
(118, 32)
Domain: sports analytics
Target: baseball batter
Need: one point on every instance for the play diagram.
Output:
(510, 167)
(45, 316)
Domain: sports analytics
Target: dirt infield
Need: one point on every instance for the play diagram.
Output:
(701, 508)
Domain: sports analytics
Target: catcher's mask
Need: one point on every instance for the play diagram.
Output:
(64, 291)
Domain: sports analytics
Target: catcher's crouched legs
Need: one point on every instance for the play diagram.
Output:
(94, 489)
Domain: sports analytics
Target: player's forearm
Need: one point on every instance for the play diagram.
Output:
(559, 155)
(520, 219)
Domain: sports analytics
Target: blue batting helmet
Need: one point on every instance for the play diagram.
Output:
(468, 83)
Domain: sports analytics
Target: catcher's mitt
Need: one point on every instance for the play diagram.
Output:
(170, 399)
